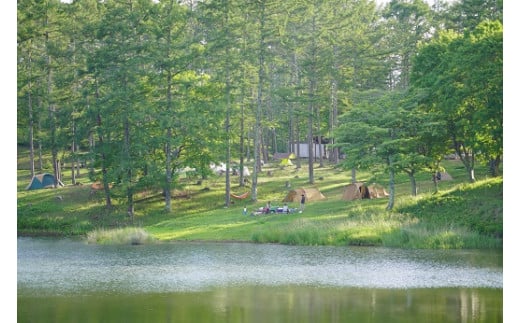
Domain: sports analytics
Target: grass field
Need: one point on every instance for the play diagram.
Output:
(460, 215)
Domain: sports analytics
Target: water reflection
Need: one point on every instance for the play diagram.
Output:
(272, 304)
(69, 266)
(69, 281)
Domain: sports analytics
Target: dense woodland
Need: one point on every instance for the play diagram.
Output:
(137, 90)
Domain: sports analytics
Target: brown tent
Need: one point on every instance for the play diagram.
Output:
(360, 190)
(352, 191)
(377, 191)
(311, 194)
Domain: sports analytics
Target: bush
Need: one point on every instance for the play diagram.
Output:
(133, 236)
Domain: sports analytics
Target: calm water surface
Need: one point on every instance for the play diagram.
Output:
(69, 281)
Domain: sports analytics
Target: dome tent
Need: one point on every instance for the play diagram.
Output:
(359, 190)
(311, 194)
(40, 181)
(352, 191)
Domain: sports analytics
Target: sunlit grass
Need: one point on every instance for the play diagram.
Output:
(132, 236)
(459, 216)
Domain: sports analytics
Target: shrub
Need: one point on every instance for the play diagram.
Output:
(130, 235)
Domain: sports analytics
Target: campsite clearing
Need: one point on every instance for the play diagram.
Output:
(461, 215)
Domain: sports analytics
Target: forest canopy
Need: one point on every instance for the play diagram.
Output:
(139, 90)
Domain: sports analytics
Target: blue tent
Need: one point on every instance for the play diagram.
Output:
(42, 181)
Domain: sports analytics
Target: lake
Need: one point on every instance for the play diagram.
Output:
(64, 280)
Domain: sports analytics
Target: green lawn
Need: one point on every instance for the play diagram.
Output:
(460, 215)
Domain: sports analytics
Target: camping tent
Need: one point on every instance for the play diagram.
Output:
(284, 156)
(286, 162)
(377, 191)
(311, 194)
(42, 181)
(352, 191)
(360, 190)
(444, 176)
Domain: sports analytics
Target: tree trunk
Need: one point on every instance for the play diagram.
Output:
(106, 186)
(228, 133)
(167, 191)
(52, 115)
(311, 146)
(320, 149)
(494, 166)
(275, 145)
(73, 161)
(318, 126)
(467, 158)
(334, 153)
(296, 130)
(469, 163)
(40, 156)
(129, 189)
(298, 152)
(40, 148)
(413, 183)
(91, 145)
(31, 138)
(248, 146)
(312, 92)
(241, 181)
(391, 187)
(264, 148)
(290, 131)
(130, 198)
(31, 120)
(258, 114)
(435, 183)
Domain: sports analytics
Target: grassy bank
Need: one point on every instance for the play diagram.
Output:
(461, 215)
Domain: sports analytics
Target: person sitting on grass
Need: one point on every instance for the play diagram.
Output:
(267, 208)
(285, 208)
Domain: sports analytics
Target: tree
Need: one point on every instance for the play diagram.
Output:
(40, 45)
(357, 55)
(118, 65)
(409, 22)
(466, 15)
(171, 19)
(462, 78)
(29, 17)
(385, 134)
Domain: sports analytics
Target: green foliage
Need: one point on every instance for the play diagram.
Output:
(456, 208)
(460, 78)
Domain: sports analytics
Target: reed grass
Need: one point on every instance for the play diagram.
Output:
(132, 236)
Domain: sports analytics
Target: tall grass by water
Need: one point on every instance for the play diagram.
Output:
(130, 235)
